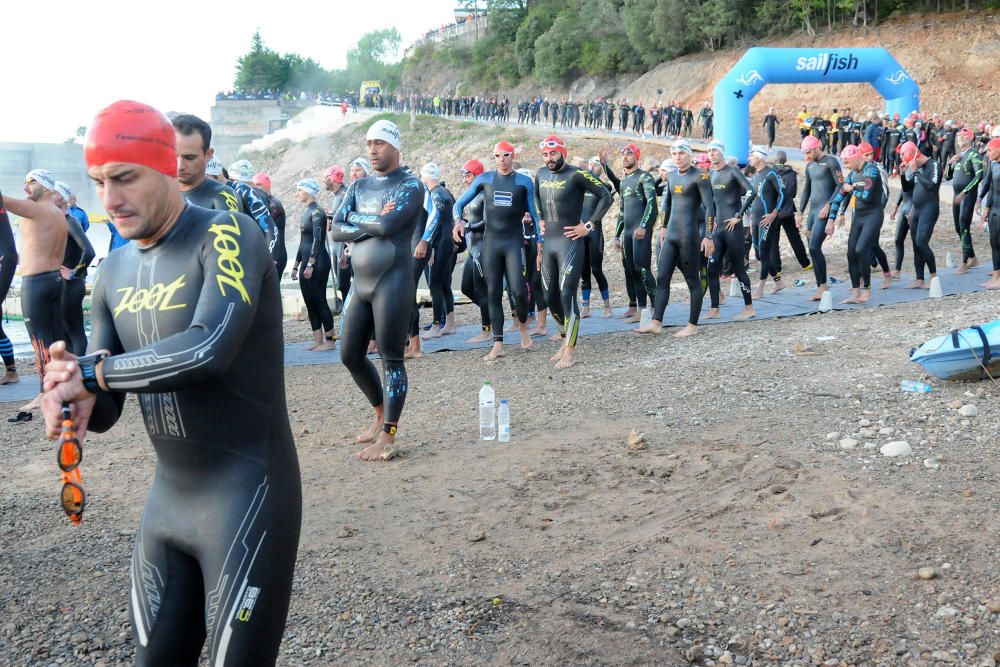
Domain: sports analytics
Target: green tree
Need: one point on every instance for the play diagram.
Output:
(261, 68)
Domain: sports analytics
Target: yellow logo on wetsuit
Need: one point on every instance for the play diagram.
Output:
(590, 177)
(231, 202)
(678, 189)
(704, 175)
(553, 185)
(158, 297)
(229, 258)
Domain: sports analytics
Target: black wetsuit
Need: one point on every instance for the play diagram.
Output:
(193, 324)
(965, 176)
(341, 265)
(904, 205)
(990, 194)
(637, 209)
(770, 189)
(869, 211)
(8, 264)
(686, 193)
(423, 231)
(383, 287)
(924, 214)
(506, 198)
(312, 247)
(473, 273)
(630, 289)
(786, 216)
(214, 195)
(821, 181)
(279, 253)
(78, 256)
(593, 250)
(254, 203)
(559, 200)
(733, 196)
(770, 124)
(439, 282)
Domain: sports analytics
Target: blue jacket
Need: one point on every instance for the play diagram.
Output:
(873, 135)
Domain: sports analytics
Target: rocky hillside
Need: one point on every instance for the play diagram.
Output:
(954, 57)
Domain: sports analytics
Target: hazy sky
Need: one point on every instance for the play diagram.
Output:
(63, 60)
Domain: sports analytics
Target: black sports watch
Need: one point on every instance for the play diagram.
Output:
(88, 368)
(589, 226)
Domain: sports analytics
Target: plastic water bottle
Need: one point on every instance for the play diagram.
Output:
(503, 422)
(916, 387)
(487, 412)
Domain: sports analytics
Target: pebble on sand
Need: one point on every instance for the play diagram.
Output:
(896, 448)
(636, 441)
(848, 443)
(968, 411)
(927, 573)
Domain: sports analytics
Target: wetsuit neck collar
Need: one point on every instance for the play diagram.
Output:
(170, 228)
(198, 185)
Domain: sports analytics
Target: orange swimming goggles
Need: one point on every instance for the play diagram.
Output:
(68, 456)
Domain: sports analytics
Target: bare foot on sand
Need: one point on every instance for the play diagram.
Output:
(481, 337)
(778, 286)
(325, 346)
(381, 450)
(652, 327)
(713, 314)
(631, 312)
(584, 312)
(10, 377)
(916, 284)
(525, 337)
(746, 314)
(689, 330)
(558, 355)
(607, 311)
(819, 293)
(371, 434)
(495, 353)
(865, 296)
(568, 358)
(886, 281)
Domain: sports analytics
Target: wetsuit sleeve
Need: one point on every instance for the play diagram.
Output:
(433, 217)
(976, 163)
(318, 221)
(986, 190)
(104, 336)
(806, 191)
(931, 180)
(478, 225)
(708, 201)
(748, 193)
(408, 199)
(235, 262)
(341, 230)
(80, 238)
(649, 193)
(533, 204)
(260, 212)
(593, 185)
(614, 179)
(340, 213)
(872, 182)
(467, 197)
(839, 196)
(838, 175)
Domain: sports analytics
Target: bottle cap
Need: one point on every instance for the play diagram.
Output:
(487, 382)
(503, 401)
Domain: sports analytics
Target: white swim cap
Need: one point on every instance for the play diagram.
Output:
(43, 177)
(363, 163)
(431, 171)
(682, 146)
(309, 186)
(213, 167)
(385, 130)
(63, 191)
(242, 170)
(718, 145)
(759, 151)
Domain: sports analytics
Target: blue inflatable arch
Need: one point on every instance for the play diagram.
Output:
(760, 66)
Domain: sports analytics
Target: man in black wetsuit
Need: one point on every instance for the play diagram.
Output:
(469, 229)
(378, 216)
(925, 174)
(443, 261)
(864, 183)
(333, 181)
(770, 191)
(636, 218)
(559, 192)
(706, 117)
(593, 247)
(989, 193)
(688, 190)
(78, 256)
(507, 196)
(252, 200)
(822, 178)
(194, 139)
(279, 253)
(188, 317)
(733, 196)
(8, 264)
(771, 123)
(965, 170)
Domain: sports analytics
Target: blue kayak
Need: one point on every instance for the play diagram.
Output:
(963, 354)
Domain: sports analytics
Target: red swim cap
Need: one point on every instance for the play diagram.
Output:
(334, 173)
(633, 148)
(702, 160)
(850, 153)
(967, 133)
(810, 142)
(552, 142)
(131, 132)
(474, 167)
(504, 147)
(993, 144)
(908, 152)
(866, 148)
(262, 179)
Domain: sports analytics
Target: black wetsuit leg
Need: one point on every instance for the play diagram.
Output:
(439, 280)
(73, 292)
(962, 214)
(502, 258)
(344, 275)
(41, 304)
(902, 229)
(686, 255)
(474, 280)
(922, 227)
(770, 257)
(419, 266)
(280, 257)
(861, 247)
(818, 227)
(8, 264)
(794, 237)
(728, 245)
(994, 223)
(641, 256)
(314, 294)
(596, 259)
(629, 270)
(560, 276)
(585, 274)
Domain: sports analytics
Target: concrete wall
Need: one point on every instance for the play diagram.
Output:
(64, 160)
(238, 122)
